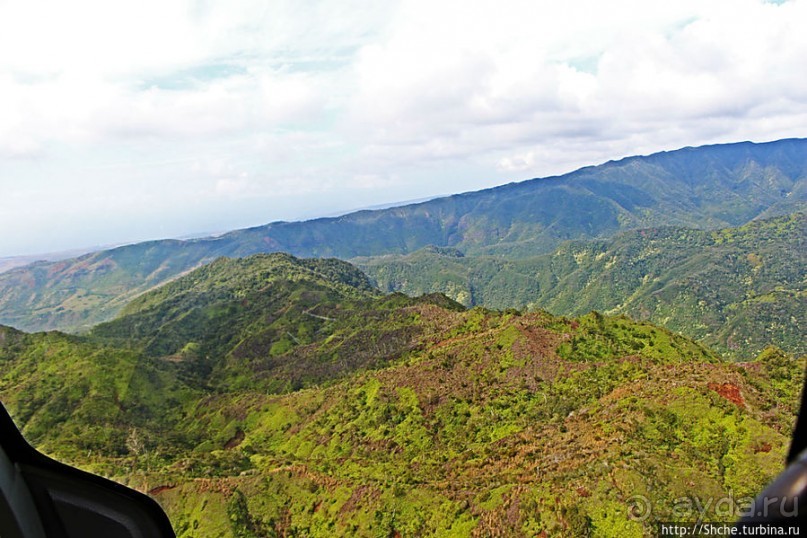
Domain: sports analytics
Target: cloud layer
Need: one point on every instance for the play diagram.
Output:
(120, 122)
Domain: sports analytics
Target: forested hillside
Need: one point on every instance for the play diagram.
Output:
(737, 289)
(273, 396)
(708, 187)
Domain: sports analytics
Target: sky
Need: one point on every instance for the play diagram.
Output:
(127, 121)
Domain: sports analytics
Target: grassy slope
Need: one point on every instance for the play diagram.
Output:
(738, 289)
(482, 423)
(271, 321)
(493, 431)
(89, 402)
(710, 187)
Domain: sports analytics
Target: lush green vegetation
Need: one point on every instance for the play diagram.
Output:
(89, 402)
(736, 289)
(271, 321)
(272, 396)
(709, 187)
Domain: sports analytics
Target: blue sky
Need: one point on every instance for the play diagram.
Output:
(129, 121)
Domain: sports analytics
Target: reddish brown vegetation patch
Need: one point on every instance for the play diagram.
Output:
(505, 520)
(361, 496)
(538, 346)
(160, 489)
(301, 471)
(729, 391)
(56, 268)
(236, 440)
(222, 486)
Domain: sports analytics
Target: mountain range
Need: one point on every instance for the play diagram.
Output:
(735, 289)
(278, 396)
(565, 356)
(709, 187)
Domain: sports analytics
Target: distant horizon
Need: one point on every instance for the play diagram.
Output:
(86, 249)
(210, 234)
(14, 260)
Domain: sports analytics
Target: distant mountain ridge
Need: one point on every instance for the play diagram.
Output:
(735, 289)
(707, 187)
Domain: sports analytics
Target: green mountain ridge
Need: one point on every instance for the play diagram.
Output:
(452, 422)
(271, 320)
(74, 396)
(708, 187)
(737, 289)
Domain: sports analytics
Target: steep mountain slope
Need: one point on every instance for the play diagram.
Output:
(738, 289)
(494, 433)
(271, 322)
(431, 419)
(80, 292)
(708, 187)
(499, 424)
(76, 398)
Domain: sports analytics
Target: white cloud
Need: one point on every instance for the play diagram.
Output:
(233, 187)
(406, 98)
(672, 73)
